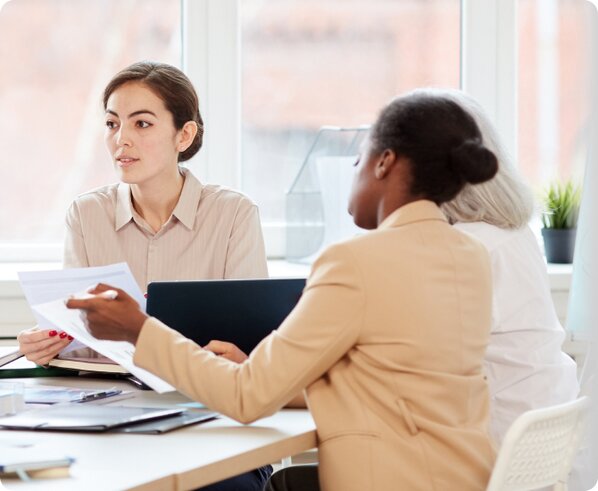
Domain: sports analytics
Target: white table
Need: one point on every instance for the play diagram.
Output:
(186, 458)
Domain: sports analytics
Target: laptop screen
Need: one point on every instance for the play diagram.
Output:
(242, 312)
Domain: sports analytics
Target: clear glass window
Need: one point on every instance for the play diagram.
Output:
(311, 63)
(553, 88)
(55, 58)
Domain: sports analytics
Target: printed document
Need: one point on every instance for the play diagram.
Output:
(46, 292)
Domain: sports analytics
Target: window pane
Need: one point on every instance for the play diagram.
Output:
(55, 58)
(309, 63)
(554, 75)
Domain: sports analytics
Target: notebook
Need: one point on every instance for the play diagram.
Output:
(83, 417)
(242, 312)
(99, 365)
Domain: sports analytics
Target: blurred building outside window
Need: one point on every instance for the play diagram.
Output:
(304, 64)
(56, 56)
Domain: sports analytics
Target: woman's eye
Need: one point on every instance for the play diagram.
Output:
(110, 125)
(143, 124)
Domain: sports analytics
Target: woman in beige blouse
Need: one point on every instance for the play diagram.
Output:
(159, 219)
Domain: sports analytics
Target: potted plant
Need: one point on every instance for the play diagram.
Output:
(561, 208)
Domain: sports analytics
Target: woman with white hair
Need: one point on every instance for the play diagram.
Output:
(525, 365)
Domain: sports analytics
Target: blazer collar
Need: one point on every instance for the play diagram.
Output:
(185, 210)
(417, 211)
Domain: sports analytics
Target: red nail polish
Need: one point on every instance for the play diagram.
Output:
(63, 335)
(145, 295)
(71, 338)
(52, 333)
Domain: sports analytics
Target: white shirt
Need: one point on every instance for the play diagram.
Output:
(525, 365)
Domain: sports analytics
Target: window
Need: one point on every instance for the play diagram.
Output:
(554, 88)
(55, 58)
(310, 63)
(269, 75)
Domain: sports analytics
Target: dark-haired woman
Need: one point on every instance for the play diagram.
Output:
(389, 336)
(159, 219)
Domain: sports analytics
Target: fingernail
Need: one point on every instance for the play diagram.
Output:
(71, 338)
(145, 295)
(63, 335)
(52, 333)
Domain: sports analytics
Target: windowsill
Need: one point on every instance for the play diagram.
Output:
(559, 274)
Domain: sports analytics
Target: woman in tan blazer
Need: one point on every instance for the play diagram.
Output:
(388, 338)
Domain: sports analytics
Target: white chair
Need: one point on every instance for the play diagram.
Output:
(539, 448)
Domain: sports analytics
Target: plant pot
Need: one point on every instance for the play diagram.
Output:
(559, 244)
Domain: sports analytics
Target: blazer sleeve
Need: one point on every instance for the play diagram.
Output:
(321, 330)
(75, 253)
(246, 254)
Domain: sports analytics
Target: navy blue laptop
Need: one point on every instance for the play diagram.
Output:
(242, 312)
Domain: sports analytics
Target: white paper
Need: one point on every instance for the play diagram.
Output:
(71, 321)
(46, 292)
(45, 286)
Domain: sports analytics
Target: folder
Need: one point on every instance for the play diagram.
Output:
(164, 425)
(83, 417)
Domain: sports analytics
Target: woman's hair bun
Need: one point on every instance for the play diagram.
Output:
(473, 161)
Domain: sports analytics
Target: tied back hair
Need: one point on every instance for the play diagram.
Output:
(440, 140)
(504, 201)
(173, 87)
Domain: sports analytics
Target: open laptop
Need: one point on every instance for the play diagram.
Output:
(242, 312)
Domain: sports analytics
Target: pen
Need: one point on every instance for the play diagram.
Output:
(94, 396)
(109, 294)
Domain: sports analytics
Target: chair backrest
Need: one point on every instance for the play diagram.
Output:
(539, 448)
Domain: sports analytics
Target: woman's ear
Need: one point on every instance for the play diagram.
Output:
(186, 136)
(385, 163)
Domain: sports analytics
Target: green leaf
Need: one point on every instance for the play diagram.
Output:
(561, 204)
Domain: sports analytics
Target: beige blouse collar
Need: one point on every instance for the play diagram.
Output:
(185, 210)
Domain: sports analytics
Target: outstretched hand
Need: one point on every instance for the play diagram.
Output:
(110, 313)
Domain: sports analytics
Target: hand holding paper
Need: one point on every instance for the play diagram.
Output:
(110, 313)
(120, 314)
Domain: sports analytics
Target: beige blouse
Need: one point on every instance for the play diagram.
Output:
(213, 233)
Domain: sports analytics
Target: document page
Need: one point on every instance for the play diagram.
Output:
(46, 292)
(45, 286)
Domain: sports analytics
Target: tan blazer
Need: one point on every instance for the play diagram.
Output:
(388, 339)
